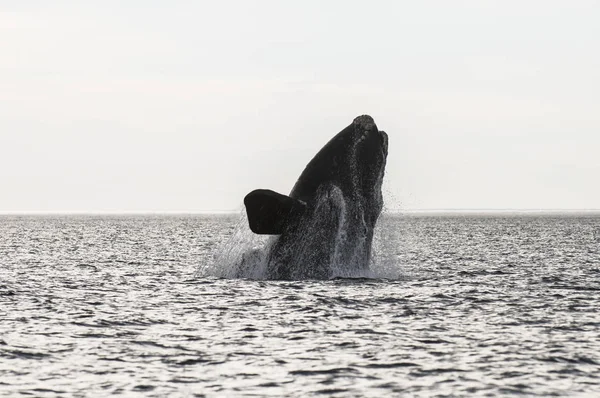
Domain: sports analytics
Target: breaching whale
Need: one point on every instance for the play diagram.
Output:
(324, 227)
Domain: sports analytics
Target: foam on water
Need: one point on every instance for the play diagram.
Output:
(243, 255)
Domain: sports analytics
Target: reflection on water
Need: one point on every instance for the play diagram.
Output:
(472, 306)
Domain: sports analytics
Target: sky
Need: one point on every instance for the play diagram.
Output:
(186, 106)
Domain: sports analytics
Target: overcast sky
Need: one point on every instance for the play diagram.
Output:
(188, 105)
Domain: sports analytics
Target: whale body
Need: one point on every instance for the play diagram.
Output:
(324, 227)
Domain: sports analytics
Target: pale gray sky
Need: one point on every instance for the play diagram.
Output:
(188, 105)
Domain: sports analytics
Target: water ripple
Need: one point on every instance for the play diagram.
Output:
(460, 306)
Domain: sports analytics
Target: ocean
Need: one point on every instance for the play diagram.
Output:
(474, 305)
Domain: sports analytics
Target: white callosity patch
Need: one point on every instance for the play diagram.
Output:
(364, 122)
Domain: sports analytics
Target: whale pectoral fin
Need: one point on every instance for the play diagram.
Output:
(269, 212)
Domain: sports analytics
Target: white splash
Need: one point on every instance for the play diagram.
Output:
(244, 254)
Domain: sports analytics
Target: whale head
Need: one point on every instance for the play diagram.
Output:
(354, 160)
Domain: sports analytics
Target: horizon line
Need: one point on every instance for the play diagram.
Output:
(237, 211)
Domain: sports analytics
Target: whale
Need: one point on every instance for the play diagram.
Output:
(324, 228)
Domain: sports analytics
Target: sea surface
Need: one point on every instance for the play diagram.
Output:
(455, 305)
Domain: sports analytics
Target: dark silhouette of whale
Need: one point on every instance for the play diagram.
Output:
(324, 228)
